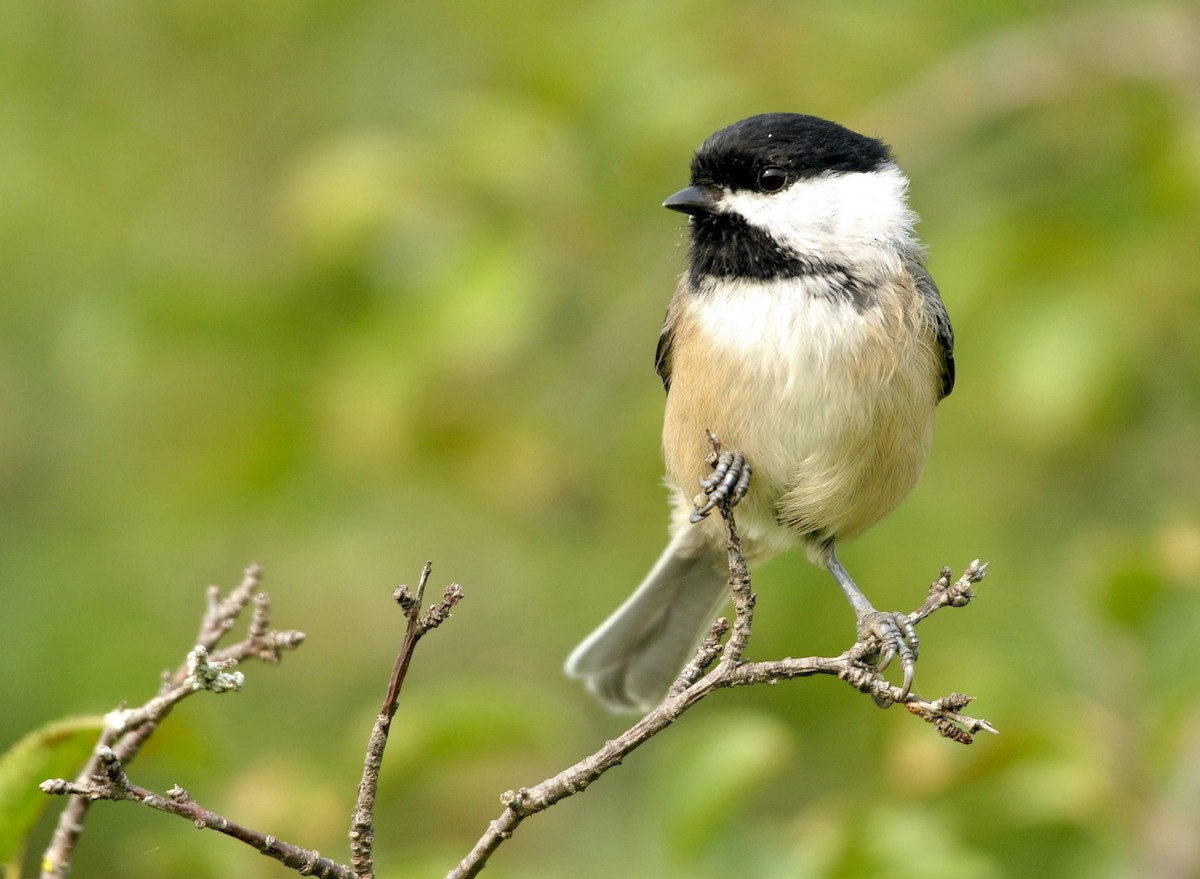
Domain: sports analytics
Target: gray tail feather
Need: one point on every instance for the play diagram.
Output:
(634, 656)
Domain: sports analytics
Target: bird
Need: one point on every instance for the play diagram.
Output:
(807, 335)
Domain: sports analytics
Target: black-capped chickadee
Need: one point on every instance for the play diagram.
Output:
(807, 335)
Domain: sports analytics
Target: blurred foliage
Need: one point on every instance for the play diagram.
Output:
(55, 750)
(343, 287)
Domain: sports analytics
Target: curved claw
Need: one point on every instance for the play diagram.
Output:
(725, 486)
(897, 639)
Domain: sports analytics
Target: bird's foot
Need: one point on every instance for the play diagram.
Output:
(726, 485)
(897, 640)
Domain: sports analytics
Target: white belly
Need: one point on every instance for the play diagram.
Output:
(832, 406)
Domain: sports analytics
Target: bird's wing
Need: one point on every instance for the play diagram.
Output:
(936, 310)
(666, 338)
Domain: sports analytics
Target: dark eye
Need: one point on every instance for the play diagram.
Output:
(772, 180)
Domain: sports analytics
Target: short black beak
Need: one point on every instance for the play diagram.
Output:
(695, 200)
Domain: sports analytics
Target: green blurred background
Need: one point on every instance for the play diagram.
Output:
(342, 287)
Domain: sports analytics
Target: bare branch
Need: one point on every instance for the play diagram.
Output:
(362, 835)
(693, 685)
(710, 648)
(208, 669)
(111, 783)
(718, 663)
(221, 614)
(126, 730)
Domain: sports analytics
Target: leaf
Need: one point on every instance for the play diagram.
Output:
(56, 750)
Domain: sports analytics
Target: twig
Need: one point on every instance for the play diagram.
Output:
(207, 668)
(111, 783)
(126, 730)
(739, 588)
(104, 778)
(362, 821)
(693, 685)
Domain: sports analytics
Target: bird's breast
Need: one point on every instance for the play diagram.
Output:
(826, 398)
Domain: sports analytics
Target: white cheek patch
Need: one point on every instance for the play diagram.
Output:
(834, 210)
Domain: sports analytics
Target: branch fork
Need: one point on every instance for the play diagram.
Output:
(717, 663)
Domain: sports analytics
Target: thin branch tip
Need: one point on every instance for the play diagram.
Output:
(425, 572)
(404, 597)
(361, 833)
(127, 729)
(440, 612)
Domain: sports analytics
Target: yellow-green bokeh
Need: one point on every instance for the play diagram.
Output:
(344, 287)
